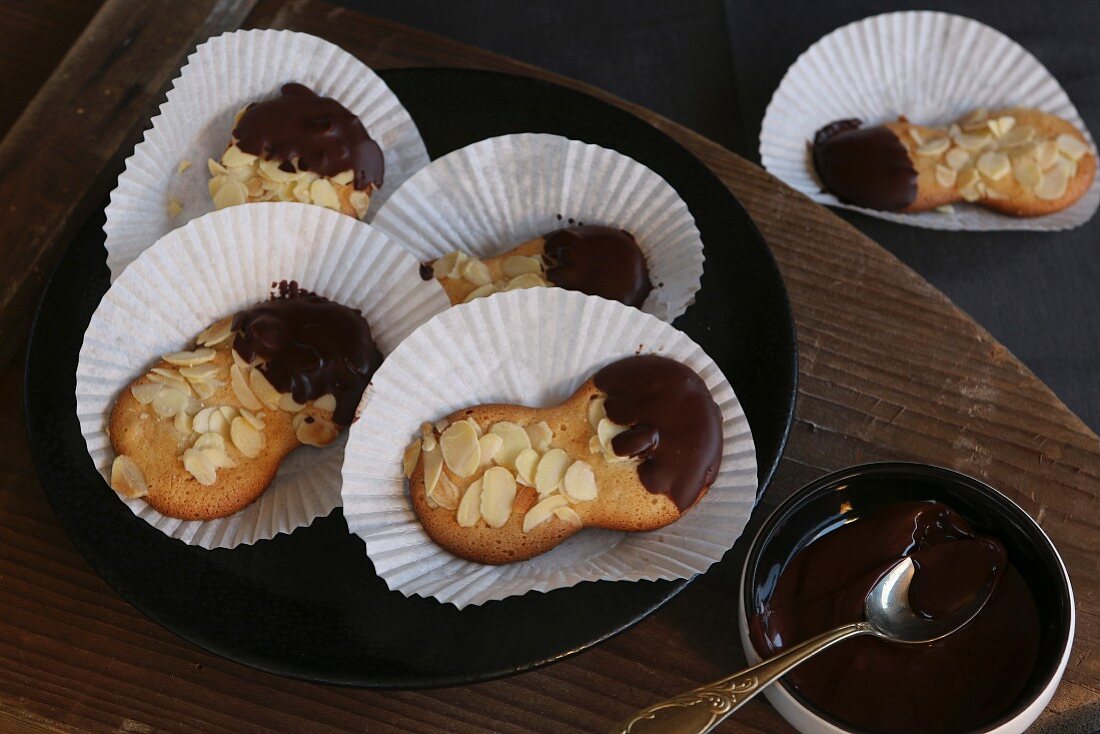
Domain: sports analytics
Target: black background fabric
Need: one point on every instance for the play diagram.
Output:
(713, 66)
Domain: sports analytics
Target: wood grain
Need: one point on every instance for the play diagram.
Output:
(62, 156)
(889, 368)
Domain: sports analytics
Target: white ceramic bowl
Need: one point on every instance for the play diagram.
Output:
(1028, 547)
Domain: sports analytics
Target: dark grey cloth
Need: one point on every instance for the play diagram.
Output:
(713, 66)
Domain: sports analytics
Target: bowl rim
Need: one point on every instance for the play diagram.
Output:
(791, 706)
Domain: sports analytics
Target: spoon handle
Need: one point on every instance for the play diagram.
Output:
(698, 710)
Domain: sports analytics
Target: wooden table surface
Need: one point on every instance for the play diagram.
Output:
(889, 369)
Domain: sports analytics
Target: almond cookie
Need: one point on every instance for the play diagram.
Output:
(201, 435)
(597, 260)
(298, 147)
(635, 447)
(1021, 162)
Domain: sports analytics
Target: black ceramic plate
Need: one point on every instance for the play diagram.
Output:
(309, 604)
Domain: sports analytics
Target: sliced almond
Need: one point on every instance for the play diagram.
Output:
(1002, 125)
(216, 333)
(445, 493)
(469, 509)
(316, 432)
(241, 389)
(460, 448)
(204, 390)
(579, 482)
(234, 156)
(945, 176)
(219, 423)
(1071, 147)
(994, 165)
(190, 359)
(596, 412)
(256, 420)
(168, 402)
(490, 444)
(169, 377)
(594, 445)
(246, 438)
(480, 292)
(210, 441)
(201, 423)
(1027, 172)
(973, 141)
(231, 192)
(967, 178)
(1046, 154)
(498, 492)
(289, 404)
(915, 134)
(957, 158)
(568, 515)
(263, 389)
(477, 272)
(433, 467)
(518, 265)
(459, 263)
(127, 478)
(323, 194)
(145, 392)
(934, 147)
(199, 465)
(542, 512)
(515, 440)
(174, 208)
(476, 426)
(215, 168)
(1018, 135)
(428, 433)
(441, 267)
(344, 177)
(551, 469)
(301, 191)
(540, 435)
(412, 455)
(527, 280)
(360, 202)
(270, 169)
(1053, 185)
(326, 402)
(526, 461)
(200, 372)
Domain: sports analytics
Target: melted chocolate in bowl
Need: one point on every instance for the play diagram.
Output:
(960, 683)
(309, 347)
(599, 261)
(865, 166)
(323, 135)
(675, 426)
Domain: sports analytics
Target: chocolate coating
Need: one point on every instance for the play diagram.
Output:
(675, 425)
(865, 166)
(309, 347)
(960, 683)
(322, 134)
(599, 261)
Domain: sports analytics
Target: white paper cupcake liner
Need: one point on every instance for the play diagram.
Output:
(931, 67)
(532, 347)
(490, 196)
(212, 267)
(223, 75)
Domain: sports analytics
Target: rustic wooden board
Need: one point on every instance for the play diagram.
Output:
(888, 369)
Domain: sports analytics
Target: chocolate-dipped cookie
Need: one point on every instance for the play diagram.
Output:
(1017, 161)
(301, 147)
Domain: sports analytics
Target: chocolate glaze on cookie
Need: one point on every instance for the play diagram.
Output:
(864, 166)
(675, 426)
(599, 261)
(309, 347)
(321, 133)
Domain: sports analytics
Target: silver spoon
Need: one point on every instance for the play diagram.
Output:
(887, 614)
